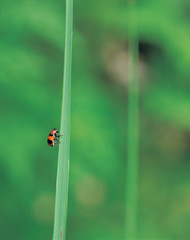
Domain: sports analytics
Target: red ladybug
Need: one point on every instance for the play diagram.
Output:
(53, 138)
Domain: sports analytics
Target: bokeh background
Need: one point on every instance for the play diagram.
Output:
(31, 63)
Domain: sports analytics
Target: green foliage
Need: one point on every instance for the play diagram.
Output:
(31, 59)
(64, 152)
(132, 173)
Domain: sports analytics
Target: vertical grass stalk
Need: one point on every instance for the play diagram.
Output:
(62, 182)
(132, 127)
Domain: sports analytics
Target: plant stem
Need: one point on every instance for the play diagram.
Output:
(64, 151)
(132, 128)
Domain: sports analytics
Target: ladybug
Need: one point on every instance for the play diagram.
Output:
(53, 138)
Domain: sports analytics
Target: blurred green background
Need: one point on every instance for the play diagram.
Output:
(31, 60)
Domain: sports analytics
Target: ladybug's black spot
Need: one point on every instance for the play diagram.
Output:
(50, 134)
(55, 129)
(49, 142)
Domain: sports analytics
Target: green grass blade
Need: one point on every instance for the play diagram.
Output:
(132, 129)
(64, 151)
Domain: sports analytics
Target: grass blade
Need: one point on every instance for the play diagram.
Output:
(132, 128)
(64, 151)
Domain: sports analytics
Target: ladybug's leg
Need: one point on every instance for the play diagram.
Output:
(56, 143)
(58, 134)
(58, 140)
